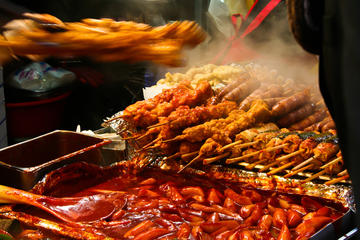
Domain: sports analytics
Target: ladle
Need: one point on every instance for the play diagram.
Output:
(70, 209)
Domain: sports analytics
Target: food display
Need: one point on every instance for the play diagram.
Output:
(259, 120)
(156, 204)
(227, 152)
(42, 35)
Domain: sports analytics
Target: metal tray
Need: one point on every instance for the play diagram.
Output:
(22, 165)
(94, 174)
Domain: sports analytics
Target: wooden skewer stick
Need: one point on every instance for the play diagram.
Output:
(331, 163)
(158, 125)
(191, 162)
(239, 145)
(149, 144)
(309, 160)
(176, 155)
(292, 173)
(142, 136)
(237, 159)
(252, 165)
(152, 147)
(279, 169)
(316, 175)
(186, 155)
(282, 158)
(340, 174)
(129, 138)
(207, 161)
(336, 180)
(263, 169)
(177, 138)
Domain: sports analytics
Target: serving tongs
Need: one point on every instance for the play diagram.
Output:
(70, 209)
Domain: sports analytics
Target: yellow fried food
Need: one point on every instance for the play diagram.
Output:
(103, 39)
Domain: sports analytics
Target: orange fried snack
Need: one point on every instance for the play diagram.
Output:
(103, 39)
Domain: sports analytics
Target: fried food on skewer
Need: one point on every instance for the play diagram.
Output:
(248, 135)
(184, 116)
(218, 139)
(147, 112)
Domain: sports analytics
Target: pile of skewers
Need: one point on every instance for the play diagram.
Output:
(239, 125)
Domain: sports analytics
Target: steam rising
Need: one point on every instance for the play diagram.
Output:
(277, 49)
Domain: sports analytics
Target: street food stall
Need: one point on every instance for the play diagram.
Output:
(219, 151)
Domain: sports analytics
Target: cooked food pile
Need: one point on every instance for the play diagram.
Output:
(161, 205)
(104, 39)
(258, 120)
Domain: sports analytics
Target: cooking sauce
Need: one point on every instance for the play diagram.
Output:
(162, 205)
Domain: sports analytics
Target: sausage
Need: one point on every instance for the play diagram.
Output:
(291, 103)
(296, 115)
(315, 117)
(257, 94)
(318, 125)
(329, 125)
(242, 90)
(272, 101)
(231, 86)
(263, 92)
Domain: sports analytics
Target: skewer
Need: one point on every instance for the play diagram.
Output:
(237, 159)
(253, 165)
(207, 161)
(158, 125)
(316, 175)
(309, 160)
(191, 162)
(129, 138)
(340, 174)
(151, 147)
(192, 154)
(264, 168)
(290, 155)
(173, 156)
(177, 138)
(336, 180)
(149, 144)
(142, 136)
(331, 163)
(279, 169)
(239, 145)
(292, 173)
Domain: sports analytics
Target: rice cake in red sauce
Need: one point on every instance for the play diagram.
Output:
(161, 205)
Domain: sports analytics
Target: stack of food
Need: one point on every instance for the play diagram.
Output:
(259, 120)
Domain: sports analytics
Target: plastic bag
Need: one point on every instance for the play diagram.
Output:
(40, 77)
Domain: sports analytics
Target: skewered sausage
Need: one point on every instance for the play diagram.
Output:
(230, 87)
(315, 117)
(296, 115)
(263, 92)
(242, 90)
(290, 103)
